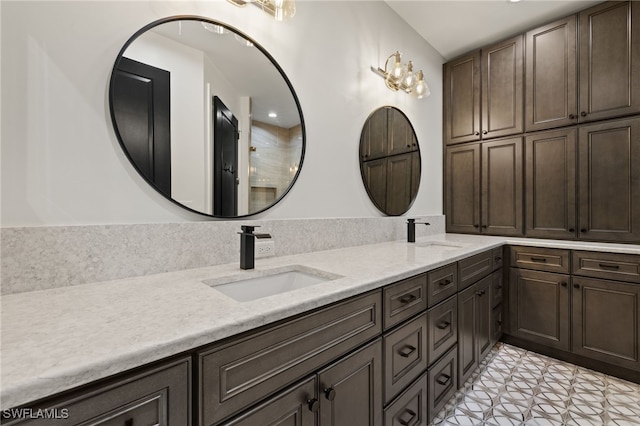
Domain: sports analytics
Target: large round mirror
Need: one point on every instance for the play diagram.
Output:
(207, 117)
(390, 160)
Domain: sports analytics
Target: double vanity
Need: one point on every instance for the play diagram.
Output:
(385, 333)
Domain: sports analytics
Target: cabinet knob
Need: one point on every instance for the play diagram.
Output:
(572, 230)
(583, 230)
(408, 298)
(498, 322)
(404, 421)
(576, 286)
(497, 258)
(408, 146)
(443, 379)
(407, 351)
(476, 133)
(313, 405)
(563, 284)
(330, 394)
(484, 132)
(475, 225)
(583, 114)
(572, 116)
(128, 422)
(484, 226)
(443, 324)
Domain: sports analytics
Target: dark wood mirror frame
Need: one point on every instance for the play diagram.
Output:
(390, 161)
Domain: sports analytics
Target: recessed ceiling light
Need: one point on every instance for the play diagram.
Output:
(273, 115)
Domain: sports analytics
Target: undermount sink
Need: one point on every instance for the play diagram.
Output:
(258, 284)
(441, 245)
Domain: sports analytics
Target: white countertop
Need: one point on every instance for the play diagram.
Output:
(54, 340)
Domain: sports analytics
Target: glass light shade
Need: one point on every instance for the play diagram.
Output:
(409, 80)
(284, 9)
(396, 73)
(421, 89)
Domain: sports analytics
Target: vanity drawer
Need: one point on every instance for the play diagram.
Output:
(540, 259)
(410, 408)
(474, 268)
(442, 283)
(404, 299)
(442, 381)
(159, 396)
(442, 323)
(614, 266)
(238, 374)
(405, 355)
(497, 287)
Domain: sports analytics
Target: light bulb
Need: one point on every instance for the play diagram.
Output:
(421, 89)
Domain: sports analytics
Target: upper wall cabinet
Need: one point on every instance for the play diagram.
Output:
(551, 75)
(609, 60)
(483, 93)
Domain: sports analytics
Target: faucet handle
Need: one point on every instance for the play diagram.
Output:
(248, 229)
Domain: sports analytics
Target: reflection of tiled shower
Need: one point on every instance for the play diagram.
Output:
(274, 160)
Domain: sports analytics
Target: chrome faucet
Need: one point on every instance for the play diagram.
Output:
(411, 229)
(248, 246)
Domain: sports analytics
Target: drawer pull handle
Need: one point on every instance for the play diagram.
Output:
(499, 286)
(128, 422)
(408, 298)
(443, 379)
(498, 259)
(443, 324)
(576, 286)
(608, 266)
(539, 259)
(444, 283)
(330, 394)
(563, 284)
(313, 404)
(480, 292)
(407, 351)
(498, 322)
(407, 422)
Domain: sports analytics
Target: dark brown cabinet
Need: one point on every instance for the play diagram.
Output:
(502, 88)
(551, 83)
(550, 184)
(375, 136)
(609, 181)
(475, 331)
(483, 186)
(606, 321)
(352, 389)
(158, 396)
(609, 60)
(462, 99)
(539, 304)
(399, 179)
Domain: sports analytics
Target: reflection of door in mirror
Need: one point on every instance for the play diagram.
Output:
(225, 160)
(142, 107)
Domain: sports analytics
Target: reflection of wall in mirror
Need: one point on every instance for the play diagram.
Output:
(194, 81)
(274, 162)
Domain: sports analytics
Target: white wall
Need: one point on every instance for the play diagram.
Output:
(61, 162)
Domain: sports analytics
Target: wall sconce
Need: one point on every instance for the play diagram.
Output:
(279, 9)
(401, 77)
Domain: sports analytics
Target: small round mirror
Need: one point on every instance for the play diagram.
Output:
(390, 160)
(207, 117)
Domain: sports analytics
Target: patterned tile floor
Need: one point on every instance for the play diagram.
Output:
(517, 387)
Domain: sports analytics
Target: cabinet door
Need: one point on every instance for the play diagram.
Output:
(416, 168)
(550, 184)
(605, 321)
(467, 334)
(462, 99)
(401, 135)
(462, 189)
(375, 177)
(484, 317)
(294, 407)
(609, 181)
(609, 60)
(375, 136)
(398, 184)
(539, 307)
(550, 99)
(502, 187)
(351, 389)
(502, 84)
